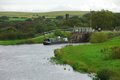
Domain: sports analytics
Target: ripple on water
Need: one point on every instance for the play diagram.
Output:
(32, 62)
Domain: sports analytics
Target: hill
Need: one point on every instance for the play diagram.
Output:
(47, 14)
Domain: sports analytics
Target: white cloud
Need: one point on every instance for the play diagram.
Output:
(56, 5)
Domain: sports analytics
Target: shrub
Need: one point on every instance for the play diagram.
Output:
(113, 52)
(15, 35)
(113, 34)
(58, 53)
(58, 32)
(98, 37)
(4, 18)
(106, 52)
(61, 33)
(104, 74)
(28, 41)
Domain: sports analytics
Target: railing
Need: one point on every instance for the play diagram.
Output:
(83, 30)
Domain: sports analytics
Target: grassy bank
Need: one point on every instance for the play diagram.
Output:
(38, 39)
(89, 58)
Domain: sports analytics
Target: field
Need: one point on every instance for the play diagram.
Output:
(47, 14)
(17, 19)
(89, 58)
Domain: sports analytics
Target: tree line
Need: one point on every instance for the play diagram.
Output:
(10, 30)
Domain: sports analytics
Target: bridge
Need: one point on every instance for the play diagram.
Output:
(81, 34)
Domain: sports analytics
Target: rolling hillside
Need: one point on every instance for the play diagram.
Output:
(47, 14)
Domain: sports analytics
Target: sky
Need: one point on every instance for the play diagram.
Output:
(58, 5)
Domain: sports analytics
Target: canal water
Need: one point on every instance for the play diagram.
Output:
(32, 62)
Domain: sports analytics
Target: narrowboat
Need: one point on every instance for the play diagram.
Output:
(58, 40)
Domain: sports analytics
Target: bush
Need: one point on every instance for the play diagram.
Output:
(4, 18)
(58, 53)
(104, 74)
(61, 33)
(28, 41)
(15, 35)
(98, 37)
(113, 52)
(58, 32)
(113, 34)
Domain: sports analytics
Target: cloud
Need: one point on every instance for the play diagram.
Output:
(56, 5)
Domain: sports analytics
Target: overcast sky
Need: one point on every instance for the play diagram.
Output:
(58, 5)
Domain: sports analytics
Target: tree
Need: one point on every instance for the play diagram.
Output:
(67, 16)
(29, 19)
(117, 19)
(72, 21)
(4, 18)
(103, 19)
(59, 17)
(85, 20)
(8, 29)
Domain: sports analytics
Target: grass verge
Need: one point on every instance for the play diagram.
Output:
(89, 58)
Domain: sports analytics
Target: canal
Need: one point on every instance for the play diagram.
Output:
(32, 62)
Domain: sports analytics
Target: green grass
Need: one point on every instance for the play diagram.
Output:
(88, 58)
(47, 14)
(17, 19)
(35, 40)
